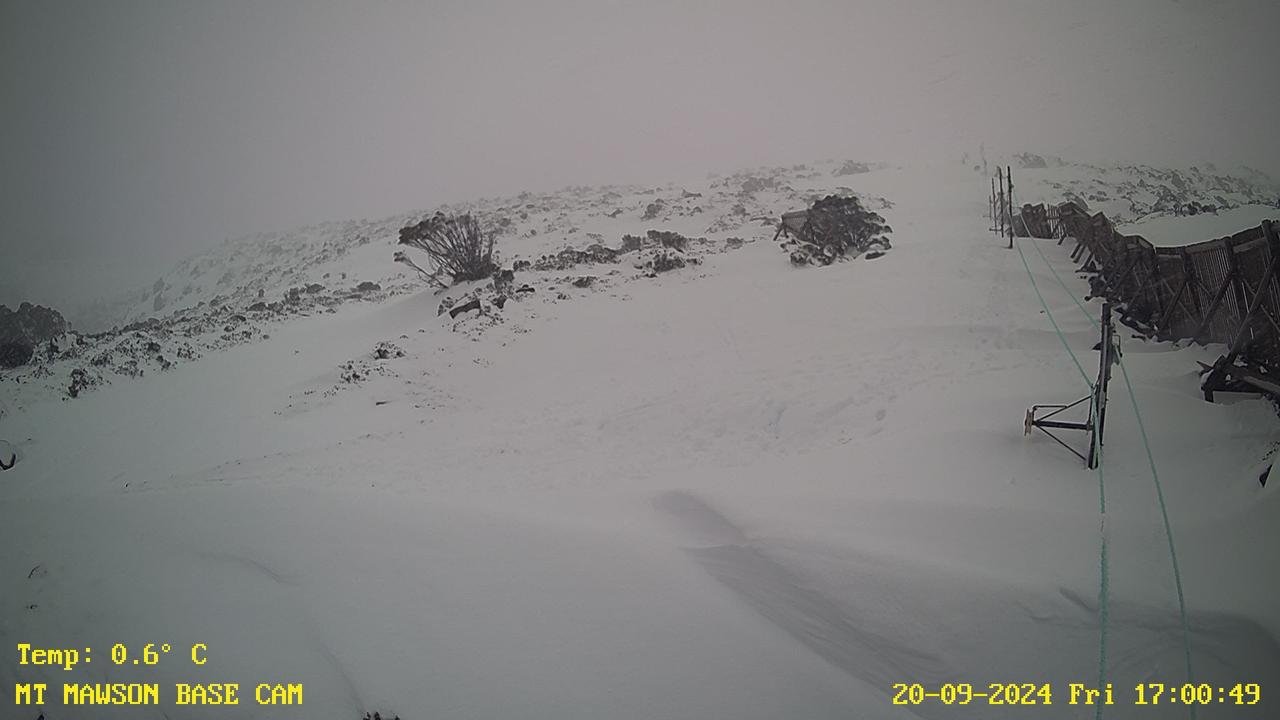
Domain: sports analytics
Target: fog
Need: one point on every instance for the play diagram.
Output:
(136, 133)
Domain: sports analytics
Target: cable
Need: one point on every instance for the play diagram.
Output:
(1104, 568)
(1155, 474)
(1053, 322)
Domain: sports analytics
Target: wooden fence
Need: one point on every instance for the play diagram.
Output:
(1221, 291)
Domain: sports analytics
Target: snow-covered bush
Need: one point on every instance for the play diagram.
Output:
(852, 168)
(15, 354)
(835, 227)
(456, 245)
(668, 239)
(24, 330)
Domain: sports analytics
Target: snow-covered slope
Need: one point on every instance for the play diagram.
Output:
(272, 263)
(1127, 193)
(239, 291)
(737, 489)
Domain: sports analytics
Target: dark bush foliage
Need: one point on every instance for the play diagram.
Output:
(836, 226)
(668, 239)
(456, 245)
(15, 354)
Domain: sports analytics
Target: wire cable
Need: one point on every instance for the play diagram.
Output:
(1104, 569)
(1155, 474)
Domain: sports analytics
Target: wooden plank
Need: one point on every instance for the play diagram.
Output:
(1227, 281)
(1157, 307)
(1173, 305)
(1261, 383)
(1189, 268)
(1237, 343)
(1242, 298)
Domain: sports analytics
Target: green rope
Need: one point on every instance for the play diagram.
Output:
(1168, 533)
(1104, 619)
(1053, 322)
(1155, 477)
(1104, 570)
(1104, 576)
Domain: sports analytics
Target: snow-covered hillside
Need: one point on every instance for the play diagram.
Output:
(736, 489)
(1128, 193)
(239, 291)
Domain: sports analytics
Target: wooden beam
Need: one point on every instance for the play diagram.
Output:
(1156, 281)
(1192, 281)
(1233, 264)
(1173, 305)
(1261, 382)
(1115, 287)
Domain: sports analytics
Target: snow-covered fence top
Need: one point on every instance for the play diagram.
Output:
(1225, 290)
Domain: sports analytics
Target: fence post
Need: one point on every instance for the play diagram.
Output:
(1156, 280)
(1009, 174)
(1189, 270)
(1000, 202)
(1242, 298)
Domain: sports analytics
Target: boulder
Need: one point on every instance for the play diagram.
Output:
(458, 310)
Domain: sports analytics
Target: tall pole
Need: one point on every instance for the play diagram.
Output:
(1000, 202)
(1008, 173)
(991, 204)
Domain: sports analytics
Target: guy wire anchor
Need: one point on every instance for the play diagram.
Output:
(1095, 423)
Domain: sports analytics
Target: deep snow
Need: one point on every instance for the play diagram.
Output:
(736, 490)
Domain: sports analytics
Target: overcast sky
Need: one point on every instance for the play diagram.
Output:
(133, 134)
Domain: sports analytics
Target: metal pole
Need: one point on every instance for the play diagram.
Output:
(1099, 404)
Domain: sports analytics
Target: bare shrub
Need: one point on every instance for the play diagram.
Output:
(456, 245)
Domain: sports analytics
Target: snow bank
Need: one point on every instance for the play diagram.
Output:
(1189, 229)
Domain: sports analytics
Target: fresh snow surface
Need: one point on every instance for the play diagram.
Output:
(1127, 193)
(736, 490)
(1186, 230)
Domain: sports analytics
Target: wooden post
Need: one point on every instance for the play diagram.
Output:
(1008, 173)
(991, 204)
(1192, 281)
(1242, 298)
(1000, 209)
(1156, 281)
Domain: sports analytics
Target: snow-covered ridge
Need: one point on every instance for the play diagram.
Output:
(1129, 193)
(238, 291)
(270, 263)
